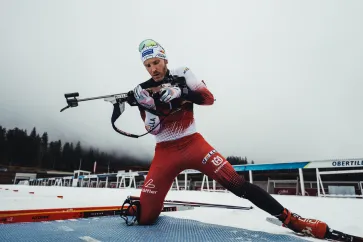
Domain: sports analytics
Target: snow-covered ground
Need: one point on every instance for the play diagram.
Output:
(345, 214)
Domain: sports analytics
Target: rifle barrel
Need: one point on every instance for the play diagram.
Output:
(101, 97)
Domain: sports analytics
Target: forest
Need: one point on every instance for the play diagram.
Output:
(20, 148)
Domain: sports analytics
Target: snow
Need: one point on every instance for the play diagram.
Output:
(345, 214)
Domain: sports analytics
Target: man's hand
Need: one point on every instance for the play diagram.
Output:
(142, 96)
(169, 93)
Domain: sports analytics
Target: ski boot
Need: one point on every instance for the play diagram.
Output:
(130, 211)
(308, 227)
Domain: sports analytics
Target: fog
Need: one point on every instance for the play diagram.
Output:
(286, 75)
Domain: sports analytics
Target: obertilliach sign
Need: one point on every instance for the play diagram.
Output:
(335, 163)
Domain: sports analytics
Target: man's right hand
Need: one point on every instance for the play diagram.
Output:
(142, 96)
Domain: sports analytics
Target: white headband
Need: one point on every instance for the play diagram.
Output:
(153, 51)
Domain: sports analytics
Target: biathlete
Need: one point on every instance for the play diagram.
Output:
(179, 146)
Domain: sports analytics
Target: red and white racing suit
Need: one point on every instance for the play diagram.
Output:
(179, 146)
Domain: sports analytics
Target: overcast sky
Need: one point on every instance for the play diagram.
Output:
(287, 75)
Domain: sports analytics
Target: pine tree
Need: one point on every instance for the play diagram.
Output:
(2, 145)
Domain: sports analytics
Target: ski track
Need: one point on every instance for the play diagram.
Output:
(344, 214)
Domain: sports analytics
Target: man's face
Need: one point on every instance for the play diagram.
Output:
(156, 67)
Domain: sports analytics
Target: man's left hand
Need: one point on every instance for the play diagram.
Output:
(169, 93)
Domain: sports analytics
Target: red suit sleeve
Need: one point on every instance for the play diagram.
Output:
(198, 92)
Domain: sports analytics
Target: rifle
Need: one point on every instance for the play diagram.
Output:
(118, 101)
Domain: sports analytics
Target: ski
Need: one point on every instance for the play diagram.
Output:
(176, 208)
(211, 205)
(332, 234)
(198, 204)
